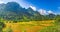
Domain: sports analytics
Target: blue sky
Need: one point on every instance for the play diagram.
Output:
(45, 5)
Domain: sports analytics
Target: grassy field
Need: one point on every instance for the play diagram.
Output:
(32, 26)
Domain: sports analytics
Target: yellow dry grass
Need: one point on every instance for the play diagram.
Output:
(32, 26)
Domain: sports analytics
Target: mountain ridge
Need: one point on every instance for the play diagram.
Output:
(13, 11)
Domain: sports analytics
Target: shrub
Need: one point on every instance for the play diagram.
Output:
(2, 25)
(49, 29)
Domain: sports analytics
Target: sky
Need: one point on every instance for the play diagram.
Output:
(42, 6)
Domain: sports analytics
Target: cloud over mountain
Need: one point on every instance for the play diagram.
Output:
(1, 2)
(42, 11)
(50, 12)
(34, 8)
(45, 12)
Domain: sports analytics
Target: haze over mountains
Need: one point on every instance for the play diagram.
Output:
(13, 11)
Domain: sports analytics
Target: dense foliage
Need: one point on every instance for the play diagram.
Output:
(57, 19)
(2, 25)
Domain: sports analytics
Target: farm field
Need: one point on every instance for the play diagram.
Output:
(32, 26)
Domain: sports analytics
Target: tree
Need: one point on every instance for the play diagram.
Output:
(2, 25)
(57, 19)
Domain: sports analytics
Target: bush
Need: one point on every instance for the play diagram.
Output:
(2, 25)
(8, 30)
(57, 20)
(49, 29)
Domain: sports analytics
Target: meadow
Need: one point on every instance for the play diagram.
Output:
(31, 26)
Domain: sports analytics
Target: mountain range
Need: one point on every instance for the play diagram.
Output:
(13, 11)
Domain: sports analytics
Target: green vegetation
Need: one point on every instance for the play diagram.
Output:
(12, 12)
(49, 29)
(55, 28)
(57, 22)
(8, 30)
(57, 19)
(2, 25)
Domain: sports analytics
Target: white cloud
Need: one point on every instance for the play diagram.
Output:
(50, 12)
(1, 2)
(45, 12)
(34, 8)
(42, 11)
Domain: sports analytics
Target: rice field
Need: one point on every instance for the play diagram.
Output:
(32, 26)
